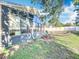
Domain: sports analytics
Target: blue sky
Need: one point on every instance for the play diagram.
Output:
(28, 3)
(68, 14)
(64, 15)
(67, 2)
(25, 2)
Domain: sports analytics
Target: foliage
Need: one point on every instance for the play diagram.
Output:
(55, 22)
(68, 24)
(76, 2)
(4, 51)
(53, 7)
(77, 24)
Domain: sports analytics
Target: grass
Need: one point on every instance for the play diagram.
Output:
(71, 41)
(62, 48)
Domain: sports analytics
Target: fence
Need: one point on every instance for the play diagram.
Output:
(63, 28)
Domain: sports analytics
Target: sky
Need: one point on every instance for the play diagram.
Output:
(67, 2)
(28, 2)
(64, 16)
(25, 2)
(68, 15)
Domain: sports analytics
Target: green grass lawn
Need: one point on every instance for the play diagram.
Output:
(71, 41)
(63, 47)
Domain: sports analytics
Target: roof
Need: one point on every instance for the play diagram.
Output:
(21, 7)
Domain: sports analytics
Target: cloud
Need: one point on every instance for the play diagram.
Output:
(68, 15)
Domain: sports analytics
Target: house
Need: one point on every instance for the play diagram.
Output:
(15, 19)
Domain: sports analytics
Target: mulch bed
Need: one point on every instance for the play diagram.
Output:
(2, 56)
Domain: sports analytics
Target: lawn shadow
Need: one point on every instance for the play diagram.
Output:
(58, 51)
(75, 32)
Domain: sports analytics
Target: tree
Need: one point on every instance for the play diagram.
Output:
(53, 7)
(50, 5)
(55, 22)
(76, 3)
(68, 24)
